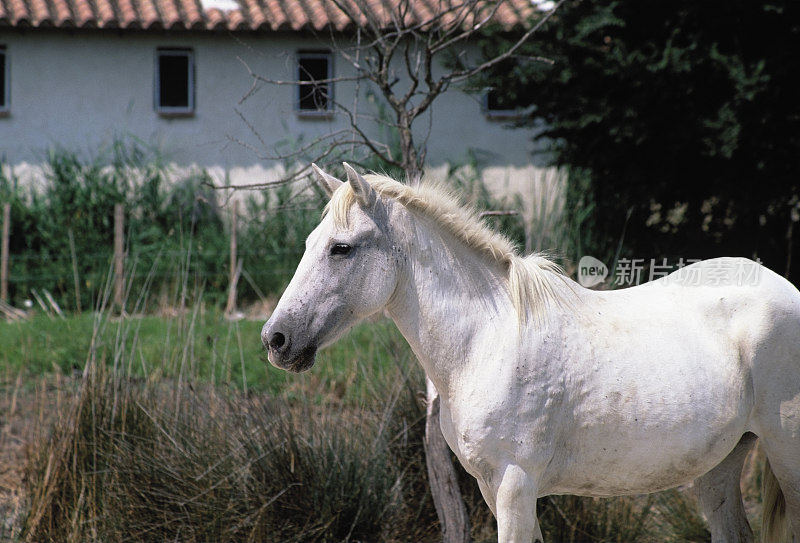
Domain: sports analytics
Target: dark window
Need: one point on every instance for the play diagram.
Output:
(3, 79)
(174, 81)
(500, 103)
(314, 67)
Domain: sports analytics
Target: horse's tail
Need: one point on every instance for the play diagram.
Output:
(774, 524)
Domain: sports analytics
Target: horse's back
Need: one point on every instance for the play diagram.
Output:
(726, 299)
(759, 312)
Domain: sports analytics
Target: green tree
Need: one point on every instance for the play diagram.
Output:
(685, 115)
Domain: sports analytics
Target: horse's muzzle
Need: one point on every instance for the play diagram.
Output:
(281, 353)
(296, 364)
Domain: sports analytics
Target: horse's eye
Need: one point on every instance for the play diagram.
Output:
(341, 249)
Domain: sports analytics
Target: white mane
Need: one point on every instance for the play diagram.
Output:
(530, 279)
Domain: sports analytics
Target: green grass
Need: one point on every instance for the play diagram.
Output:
(203, 345)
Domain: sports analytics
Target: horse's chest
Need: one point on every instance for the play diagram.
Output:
(487, 437)
(469, 444)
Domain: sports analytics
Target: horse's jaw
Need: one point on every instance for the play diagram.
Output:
(293, 361)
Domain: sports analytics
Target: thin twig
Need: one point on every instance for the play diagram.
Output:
(499, 213)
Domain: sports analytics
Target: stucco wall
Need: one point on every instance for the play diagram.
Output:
(79, 90)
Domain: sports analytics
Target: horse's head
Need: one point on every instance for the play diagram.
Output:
(348, 272)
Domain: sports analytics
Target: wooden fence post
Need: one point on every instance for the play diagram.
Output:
(4, 253)
(230, 307)
(75, 277)
(119, 257)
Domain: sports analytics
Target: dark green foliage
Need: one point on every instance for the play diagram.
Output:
(272, 239)
(685, 114)
(79, 198)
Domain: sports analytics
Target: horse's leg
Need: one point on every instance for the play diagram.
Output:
(721, 497)
(784, 461)
(516, 508)
(488, 497)
(776, 420)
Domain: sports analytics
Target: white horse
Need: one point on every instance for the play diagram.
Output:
(550, 388)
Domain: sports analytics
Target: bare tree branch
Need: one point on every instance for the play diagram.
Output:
(497, 213)
(461, 75)
(445, 43)
(256, 77)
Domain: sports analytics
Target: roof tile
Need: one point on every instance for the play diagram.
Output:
(252, 15)
(105, 14)
(84, 14)
(194, 13)
(170, 17)
(20, 13)
(274, 12)
(236, 20)
(63, 15)
(255, 13)
(215, 19)
(40, 14)
(149, 14)
(295, 14)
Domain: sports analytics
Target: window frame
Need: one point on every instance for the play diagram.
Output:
(5, 107)
(175, 111)
(326, 54)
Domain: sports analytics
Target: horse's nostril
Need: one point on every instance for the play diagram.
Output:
(277, 340)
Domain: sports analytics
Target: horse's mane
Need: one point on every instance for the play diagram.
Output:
(530, 279)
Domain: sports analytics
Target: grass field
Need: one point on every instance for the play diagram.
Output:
(203, 345)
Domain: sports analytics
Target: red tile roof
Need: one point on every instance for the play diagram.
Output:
(251, 15)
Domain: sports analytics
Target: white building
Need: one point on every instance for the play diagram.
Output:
(77, 74)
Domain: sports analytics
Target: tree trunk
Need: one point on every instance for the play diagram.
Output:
(442, 476)
(412, 165)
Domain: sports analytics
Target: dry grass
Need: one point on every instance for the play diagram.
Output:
(28, 408)
(140, 461)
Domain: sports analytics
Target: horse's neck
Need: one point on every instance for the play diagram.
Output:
(447, 294)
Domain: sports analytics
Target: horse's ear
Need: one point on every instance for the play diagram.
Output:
(328, 182)
(364, 192)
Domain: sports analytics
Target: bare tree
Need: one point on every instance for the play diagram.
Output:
(409, 52)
